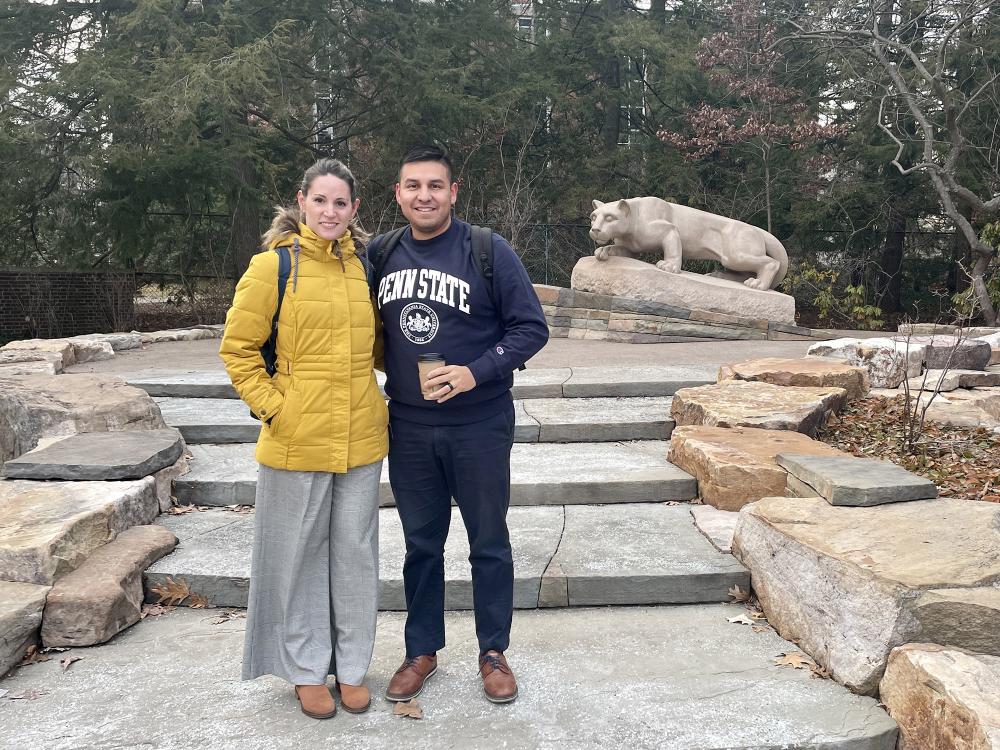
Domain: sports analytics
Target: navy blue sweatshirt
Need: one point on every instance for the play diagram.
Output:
(432, 297)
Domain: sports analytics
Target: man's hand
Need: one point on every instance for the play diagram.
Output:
(450, 380)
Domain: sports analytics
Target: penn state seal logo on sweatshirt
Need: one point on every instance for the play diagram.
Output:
(418, 322)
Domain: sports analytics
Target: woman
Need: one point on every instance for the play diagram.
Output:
(314, 572)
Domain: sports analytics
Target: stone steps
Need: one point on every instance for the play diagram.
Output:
(566, 382)
(563, 556)
(674, 678)
(541, 474)
(547, 420)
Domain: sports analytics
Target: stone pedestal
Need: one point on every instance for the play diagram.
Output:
(627, 277)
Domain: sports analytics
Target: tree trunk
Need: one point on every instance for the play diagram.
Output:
(892, 261)
(244, 227)
(611, 130)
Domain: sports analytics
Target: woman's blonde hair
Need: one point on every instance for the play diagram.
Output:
(287, 218)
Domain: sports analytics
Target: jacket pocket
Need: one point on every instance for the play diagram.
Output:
(283, 425)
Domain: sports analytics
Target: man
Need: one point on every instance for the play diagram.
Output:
(434, 297)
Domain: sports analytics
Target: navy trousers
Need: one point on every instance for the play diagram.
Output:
(428, 466)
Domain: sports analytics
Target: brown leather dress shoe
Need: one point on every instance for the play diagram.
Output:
(498, 681)
(354, 699)
(316, 701)
(410, 677)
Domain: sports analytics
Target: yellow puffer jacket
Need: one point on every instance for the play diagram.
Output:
(322, 411)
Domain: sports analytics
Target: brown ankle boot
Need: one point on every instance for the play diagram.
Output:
(410, 677)
(354, 699)
(316, 701)
(498, 680)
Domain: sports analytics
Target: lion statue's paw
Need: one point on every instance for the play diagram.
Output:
(754, 283)
(670, 266)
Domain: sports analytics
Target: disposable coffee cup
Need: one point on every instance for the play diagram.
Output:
(426, 363)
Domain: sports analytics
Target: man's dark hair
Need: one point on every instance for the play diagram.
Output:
(426, 152)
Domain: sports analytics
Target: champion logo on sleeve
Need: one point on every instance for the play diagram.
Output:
(500, 350)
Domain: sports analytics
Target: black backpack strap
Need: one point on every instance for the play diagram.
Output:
(482, 253)
(270, 350)
(378, 254)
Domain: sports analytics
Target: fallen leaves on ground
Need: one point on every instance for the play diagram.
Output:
(738, 594)
(740, 619)
(180, 510)
(197, 601)
(29, 695)
(171, 591)
(153, 610)
(229, 616)
(795, 660)
(244, 509)
(410, 709)
(964, 462)
(69, 661)
(34, 655)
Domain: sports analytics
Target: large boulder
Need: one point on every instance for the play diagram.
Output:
(104, 595)
(850, 584)
(30, 361)
(737, 403)
(117, 341)
(943, 697)
(808, 371)
(61, 347)
(887, 361)
(951, 352)
(738, 466)
(48, 529)
(627, 277)
(21, 606)
(976, 407)
(73, 350)
(993, 340)
(32, 408)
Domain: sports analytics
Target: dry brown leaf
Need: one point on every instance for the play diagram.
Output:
(197, 601)
(740, 620)
(672, 503)
(244, 509)
(761, 628)
(739, 594)
(180, 510)
(818, 672)
(171, 591)
(794, 659)
(29, 695)
(68, 662)
(229, 616)
(153, 610)
(34, 655)
(410, 709)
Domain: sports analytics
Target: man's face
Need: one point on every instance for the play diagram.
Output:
(426, 196)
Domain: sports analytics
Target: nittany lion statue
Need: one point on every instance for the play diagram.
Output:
(652, 225)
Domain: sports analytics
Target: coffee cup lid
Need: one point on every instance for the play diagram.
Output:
(429, 357)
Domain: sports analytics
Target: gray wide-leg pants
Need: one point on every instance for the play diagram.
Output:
(313, 576)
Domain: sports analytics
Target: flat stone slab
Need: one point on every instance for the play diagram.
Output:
(850, 584)
(738, 465)
(37, 407)
(596, 420)
(695, 680)
(641, 554)
(718, 526)
(849, 480)
(48, 529)
(943, 697)
(627, 277)
(100, 456)
(104, 595)
(593, 382)
(976, 407)
(607, 381)
(737, 403)
(814, 372)
(541, 474)
(943, 351)
(949, 380)
(21, 606)
(628, 554)
(555, 420)
(214, 556)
